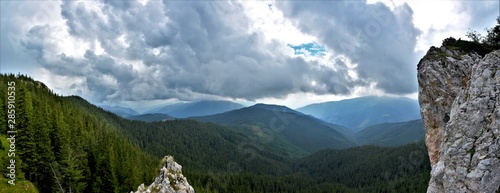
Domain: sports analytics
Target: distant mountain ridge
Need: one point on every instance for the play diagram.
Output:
(121, 111)
(198, 108)
(358, 113)
(273, 107)
(151, 117)
(383, 116)
(304, 131)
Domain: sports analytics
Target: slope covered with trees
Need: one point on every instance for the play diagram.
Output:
(66, 144)
(303, 131)
(121, 111)
(64, 147)
(391, 134)
(372, 169)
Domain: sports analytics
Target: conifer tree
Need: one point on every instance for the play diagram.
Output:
(72, 175)
(43, 150)
(25, 132)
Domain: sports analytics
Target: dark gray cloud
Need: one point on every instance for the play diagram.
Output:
(379, 40)
(190, 50)
(13, 57)
(196, 50)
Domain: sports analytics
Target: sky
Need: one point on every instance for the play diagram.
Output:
(145, 53)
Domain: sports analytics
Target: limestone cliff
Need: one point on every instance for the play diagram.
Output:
(170, 179)
(459, 95)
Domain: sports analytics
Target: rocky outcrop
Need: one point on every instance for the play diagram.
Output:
(170, 179)
(459, 95)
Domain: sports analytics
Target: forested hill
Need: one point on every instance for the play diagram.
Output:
(67, 143)
(303, 131)
(61, 146)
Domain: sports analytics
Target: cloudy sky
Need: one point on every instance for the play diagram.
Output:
(148, 52)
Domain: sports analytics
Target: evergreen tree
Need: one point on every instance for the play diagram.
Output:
(45, 156)
(107, 179)
(72, 175)
(25, 132)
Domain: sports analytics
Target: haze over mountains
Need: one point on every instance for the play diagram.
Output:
(198, 108)
(151, 117)
(301, 130)
(355, 114)
(121, 111)
(370, 120)
(361, 112)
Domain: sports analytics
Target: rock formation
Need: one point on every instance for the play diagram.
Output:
(170, 179)
(459, 95)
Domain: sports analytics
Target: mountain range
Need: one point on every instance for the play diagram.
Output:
(197, 108)
(371, 120)
(358, 113)
(121, 111)
(70, 145)
(353, 114)
(151, 117)
(303, 131)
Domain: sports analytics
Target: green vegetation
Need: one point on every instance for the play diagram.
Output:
(482, 45)
(64, 147)
(21, 184)
(360, 169)
(67, 143)
(372, 169)
(391, 134)
(466, 46)
(302, 131)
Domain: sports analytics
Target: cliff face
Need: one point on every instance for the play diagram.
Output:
(170, 179)
(459, 97)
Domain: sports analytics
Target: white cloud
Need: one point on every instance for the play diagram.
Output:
(64, 85)
(209, 49)
(380, 41)
(438, 20)
(120, 51)
(442, 19)
(297, 100)
(270, 21)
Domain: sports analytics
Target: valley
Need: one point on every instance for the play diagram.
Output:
(261, 148)
(303, 130)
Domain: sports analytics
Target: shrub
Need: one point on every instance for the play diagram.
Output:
(449, 42)
(468, 46)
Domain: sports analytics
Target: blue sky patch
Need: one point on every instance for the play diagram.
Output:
(313, 48)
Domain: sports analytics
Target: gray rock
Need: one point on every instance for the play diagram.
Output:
(459, 99)
(170, 179)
